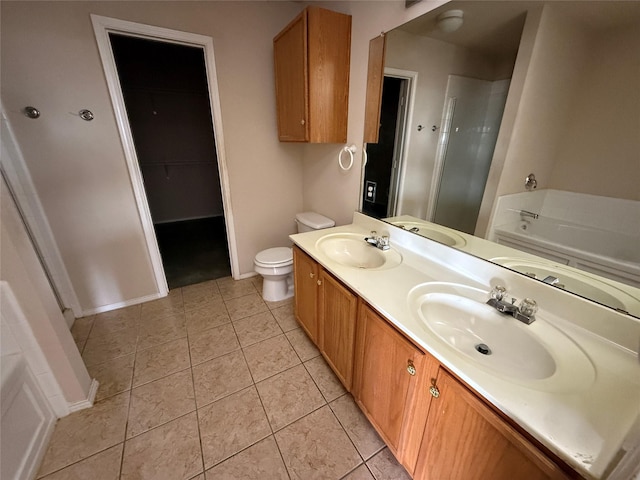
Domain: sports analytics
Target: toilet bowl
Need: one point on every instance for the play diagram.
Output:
(276, 267)
(276, 264)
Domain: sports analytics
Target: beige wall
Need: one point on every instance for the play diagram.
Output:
(599, 153)
(24, 274)
(78, 167)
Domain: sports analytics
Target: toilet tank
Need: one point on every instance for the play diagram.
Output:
(308, 221)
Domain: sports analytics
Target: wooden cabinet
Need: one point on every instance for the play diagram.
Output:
(389, 371)
(375, 79)
(435, 426)
(337, 327)
(306, 292)
(326, 310)
(311, 57)
(464, 439)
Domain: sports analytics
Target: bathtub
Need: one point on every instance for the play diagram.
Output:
(613, 255)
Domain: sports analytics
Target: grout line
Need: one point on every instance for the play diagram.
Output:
(195, 402)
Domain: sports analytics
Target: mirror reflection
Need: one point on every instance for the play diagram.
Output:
(471, 108)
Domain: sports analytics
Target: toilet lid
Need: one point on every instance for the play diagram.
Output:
(274, 256)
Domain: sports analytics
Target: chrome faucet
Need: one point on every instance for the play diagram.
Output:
(524, 312)
(378, 241)
(527, 213)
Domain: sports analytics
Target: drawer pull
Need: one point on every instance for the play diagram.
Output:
(319, 282)
(433, 390)
(311, 274)
(411, 368)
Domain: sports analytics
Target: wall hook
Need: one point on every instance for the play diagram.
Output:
(86, 114)
(31, 112)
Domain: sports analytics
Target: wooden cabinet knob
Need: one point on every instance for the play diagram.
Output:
(411, 368)
(302, 122)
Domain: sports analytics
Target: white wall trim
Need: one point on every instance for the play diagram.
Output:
(127, 303)
(102, 26)
(18, 176)
(88, 403)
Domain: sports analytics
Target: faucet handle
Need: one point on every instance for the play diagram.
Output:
(498, 292)
(528, 307)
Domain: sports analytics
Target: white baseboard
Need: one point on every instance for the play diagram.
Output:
(127, 303)
(91, 396)
(246, 275)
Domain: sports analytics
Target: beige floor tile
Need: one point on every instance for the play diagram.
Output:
(230, 288)
(171, 451)
(261, 461)
(303, 346)
(220, 377)
(81, 328)
(84, 433)
(80, 344)
(245, 306)
(324, 377)
(279, 303)
(155, 331)
(384, 466)
(270, 357)
(109, 346)
(170, 305)
(114, 376)
(115, 320)
(101, 466)
(199, 477)
(212, 315)
(316, 447)
(256, 328)
(288, 396)
(230, 425)
(360, 473)
(285, 317)
(213, 343)
(200, 296)
(360, 431)
(160, 401)
(161, 360)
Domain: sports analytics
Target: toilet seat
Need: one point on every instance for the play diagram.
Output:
(274, 257)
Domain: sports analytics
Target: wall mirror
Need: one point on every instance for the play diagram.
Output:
(473, 97)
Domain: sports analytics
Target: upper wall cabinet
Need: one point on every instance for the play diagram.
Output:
(312, 56)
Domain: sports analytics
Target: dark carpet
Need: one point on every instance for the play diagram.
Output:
(193, 251)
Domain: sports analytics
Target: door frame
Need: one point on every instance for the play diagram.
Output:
(102, 26)
(402, 137)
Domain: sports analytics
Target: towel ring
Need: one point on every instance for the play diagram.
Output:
(350, 149)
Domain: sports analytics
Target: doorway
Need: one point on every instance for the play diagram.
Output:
(165, 91)
(384, 159)
(169, 168)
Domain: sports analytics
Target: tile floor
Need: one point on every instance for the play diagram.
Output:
(212, 383)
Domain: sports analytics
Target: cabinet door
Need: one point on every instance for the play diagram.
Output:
(375, 78)
(306, 280)
(384, 387)
(291, 72)
(337, 326)
(465, 440)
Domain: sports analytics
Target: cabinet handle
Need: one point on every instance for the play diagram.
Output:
(433, 390)
(411, 368)
(302, 122)
(311, 274)
(319, 282)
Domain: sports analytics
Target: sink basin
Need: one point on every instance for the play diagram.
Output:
(575, 282)
(433, 232)
(537, 355)
(351, 250)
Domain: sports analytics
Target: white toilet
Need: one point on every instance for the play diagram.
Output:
(276, 264)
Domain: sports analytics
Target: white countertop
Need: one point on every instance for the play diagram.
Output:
(583, 424)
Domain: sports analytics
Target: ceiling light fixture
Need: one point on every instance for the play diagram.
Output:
(450, 21)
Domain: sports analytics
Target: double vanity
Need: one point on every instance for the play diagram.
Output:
(456, 388)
